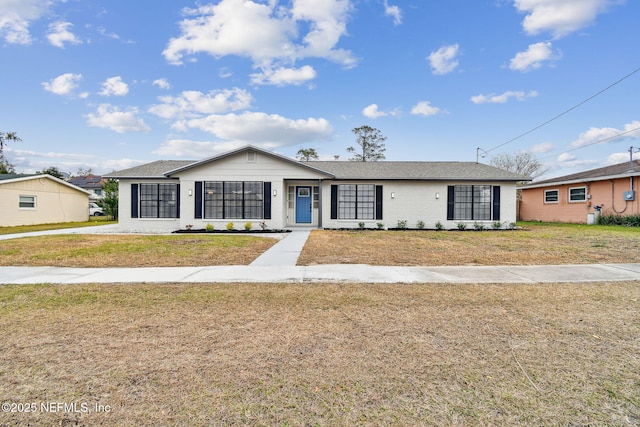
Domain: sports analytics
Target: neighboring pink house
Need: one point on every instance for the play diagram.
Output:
(574, 198)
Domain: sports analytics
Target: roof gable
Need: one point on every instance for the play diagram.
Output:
(245, 149)
(18, 178)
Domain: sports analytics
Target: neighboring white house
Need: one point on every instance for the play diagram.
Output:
(254, 185)
(40, 199)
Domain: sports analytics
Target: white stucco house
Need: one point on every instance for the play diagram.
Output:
(251, 184)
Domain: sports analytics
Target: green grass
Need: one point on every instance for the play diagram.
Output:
(44, 227)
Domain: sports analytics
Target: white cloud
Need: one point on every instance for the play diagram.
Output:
(64, 84)
(16, 16)
(372, 112)
(394, 12)
(617, 158)
(110, 117)
(543, 147)
(424, 108)
(275, 40)
(566, 160)
(194, 149)
(503, 97)
(195, 103)
(560, 17)
(114, 86)
(59, 34)
(443, 60)
(162, 83)
(607, 135)
(284, 76)
(266, 130)
(533, 57)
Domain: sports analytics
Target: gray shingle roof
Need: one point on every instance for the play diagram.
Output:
(155, 169)
(607, 172)
(343, 170)
(416, 171)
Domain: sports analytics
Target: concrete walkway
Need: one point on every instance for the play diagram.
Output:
(278, 265)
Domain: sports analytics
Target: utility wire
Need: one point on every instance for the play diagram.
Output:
(566, 111)
(593, 143)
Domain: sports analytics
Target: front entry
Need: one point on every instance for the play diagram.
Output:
(303, 205)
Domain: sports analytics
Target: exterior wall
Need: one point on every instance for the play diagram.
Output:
(142, 224)
(415, 201)
(55, 203)
(412, 201)
(239, 168)
(233, 168)
(608, 193)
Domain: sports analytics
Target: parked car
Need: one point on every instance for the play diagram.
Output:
(95, 210)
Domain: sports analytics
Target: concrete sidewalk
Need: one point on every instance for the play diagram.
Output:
(325, 273)
(278, 265)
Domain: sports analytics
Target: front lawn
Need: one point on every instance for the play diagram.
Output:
(530, 244)
(322, 354)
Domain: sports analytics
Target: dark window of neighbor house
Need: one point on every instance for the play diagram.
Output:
(551, 196)
(473, 202)
(27, 202)
(578, 194)
(159, 200)
(356, 201)
(236, 200)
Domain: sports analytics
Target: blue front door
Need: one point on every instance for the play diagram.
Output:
(303, 205)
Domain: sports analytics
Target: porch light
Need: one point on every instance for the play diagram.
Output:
(437, 196)
(393, 195)
(275, 193)
(190, 192)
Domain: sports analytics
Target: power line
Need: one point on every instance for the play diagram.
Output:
(593, 143)
(566, 111)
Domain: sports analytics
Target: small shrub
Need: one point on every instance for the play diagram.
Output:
(263, 225)
(402, 224)
(478, 226)
(380, 225)
(512, 226)
(209, 227)
(439, 226)
(420, 225)
(248, 225)
(361, 225)
(626, 220)
(230, 226)
(462, 226)
(188, 226)
(497, 225)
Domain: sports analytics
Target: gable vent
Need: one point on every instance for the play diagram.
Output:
(251, 156)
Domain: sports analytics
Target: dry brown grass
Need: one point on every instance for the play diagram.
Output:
(533, 245)
(323, 354)
(103, 250)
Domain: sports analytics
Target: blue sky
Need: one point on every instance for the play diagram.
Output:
(112, 84)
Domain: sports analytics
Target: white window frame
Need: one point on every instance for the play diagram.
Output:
(572, 200)
(552, 201)
(20, 201)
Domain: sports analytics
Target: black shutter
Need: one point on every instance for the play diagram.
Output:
(334, 202)
(198, 200)
(451, 201)
(496, 203)
(134, 200)
(266, 197)
(378, 201)
(178, 200)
